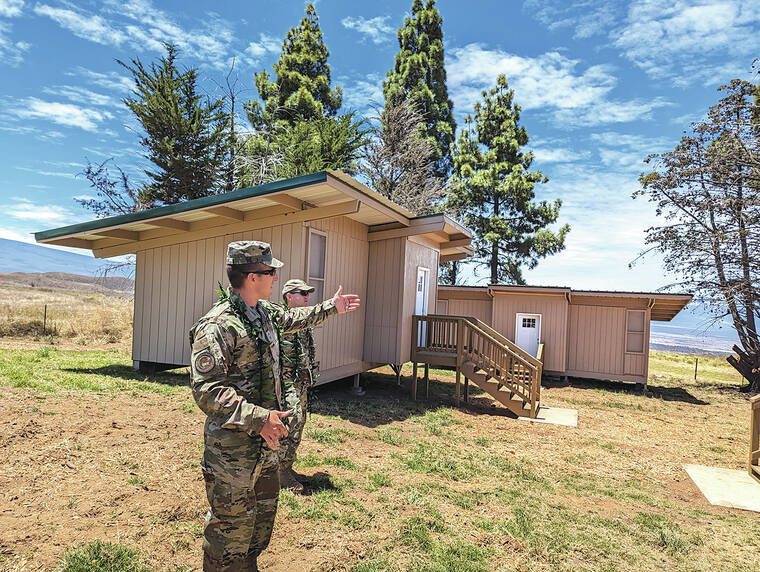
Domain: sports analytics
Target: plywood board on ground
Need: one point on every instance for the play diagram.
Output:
(555, 416)
(726, 487)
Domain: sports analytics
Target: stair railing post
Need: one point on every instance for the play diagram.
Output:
(460, 349)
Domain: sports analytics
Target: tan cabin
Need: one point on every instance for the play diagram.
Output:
(328, 228)
(598, 335)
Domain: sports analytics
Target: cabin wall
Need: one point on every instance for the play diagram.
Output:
(553, 310)
(597, 339)
(175, 285)
(416, 255)
(385, 288)
(480, 309)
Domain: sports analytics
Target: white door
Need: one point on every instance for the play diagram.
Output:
(421, 300)
(528, 332)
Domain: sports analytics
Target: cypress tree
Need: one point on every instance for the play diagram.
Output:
(185, 133)
(493, 188)
(420, 77)
(301, 90)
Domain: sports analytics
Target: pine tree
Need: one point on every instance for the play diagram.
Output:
(420, 77)
(493, 187)
(185, 134)
(301, 90)
(398, 160)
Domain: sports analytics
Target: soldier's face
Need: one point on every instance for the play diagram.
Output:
(263, 283)
(297, 299)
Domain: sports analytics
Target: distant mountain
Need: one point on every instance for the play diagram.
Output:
(18, 256)
(118, 286)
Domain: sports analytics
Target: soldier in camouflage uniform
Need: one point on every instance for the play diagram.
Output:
(235, 378)
(299, 368)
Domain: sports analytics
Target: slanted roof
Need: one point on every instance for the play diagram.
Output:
(664, 307)
(316, 196)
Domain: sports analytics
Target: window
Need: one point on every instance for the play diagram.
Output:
(528, 322)
(634, 332)
(316, 272)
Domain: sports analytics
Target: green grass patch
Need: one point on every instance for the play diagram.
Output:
(328, 436)
(52, 370)
(101, 556)
(312, 460)
(664, 533)
(430, 459)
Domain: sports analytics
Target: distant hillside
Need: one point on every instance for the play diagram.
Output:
(18, 256)
(109, 285)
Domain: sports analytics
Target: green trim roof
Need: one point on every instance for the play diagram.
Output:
(167, 210)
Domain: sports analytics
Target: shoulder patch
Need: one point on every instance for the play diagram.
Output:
(204, 362)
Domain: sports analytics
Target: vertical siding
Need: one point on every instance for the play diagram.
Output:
(175, 285)
(415, 255)
(480, 309)
(638, 364)
(385, 273)
(596, 339)
(341, 339)
(553, 310)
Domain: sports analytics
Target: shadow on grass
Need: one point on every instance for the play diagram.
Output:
(317, 482)
(386, 402)
(174, 378)
(609, 386)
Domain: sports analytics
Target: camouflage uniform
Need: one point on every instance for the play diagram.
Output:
(295, 350)
(236, 381)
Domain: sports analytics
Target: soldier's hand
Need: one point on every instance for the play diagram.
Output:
(345, 302)
(274, 429)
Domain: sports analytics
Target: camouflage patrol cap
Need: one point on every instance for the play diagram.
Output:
(251, 252)
(296, 284)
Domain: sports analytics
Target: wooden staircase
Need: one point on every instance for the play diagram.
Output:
(483, 356)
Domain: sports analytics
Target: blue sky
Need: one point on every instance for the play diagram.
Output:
(601, 85)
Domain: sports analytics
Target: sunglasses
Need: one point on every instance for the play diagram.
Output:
(270, 272)
(301, 292)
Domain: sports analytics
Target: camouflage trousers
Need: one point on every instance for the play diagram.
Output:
(289, 445)
(243, 487)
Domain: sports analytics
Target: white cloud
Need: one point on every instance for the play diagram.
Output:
(11, 53)
(82, 95)
(361, 93)
(375, 29)
(11, 8)
(66, 114)
(556, 155)
(679, 38)
(45, 173)
(550, 82)
(588, 17)
(9, 234)
(25, 209)
(86, 26)
(255, 51)
(110, 80)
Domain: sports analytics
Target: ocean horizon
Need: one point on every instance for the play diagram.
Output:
(694, 331)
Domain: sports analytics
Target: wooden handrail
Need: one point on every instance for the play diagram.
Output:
(468, 340)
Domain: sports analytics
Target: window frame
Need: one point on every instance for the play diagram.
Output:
(629, 332)
(310, 278)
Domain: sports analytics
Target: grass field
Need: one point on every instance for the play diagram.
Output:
(102, 454)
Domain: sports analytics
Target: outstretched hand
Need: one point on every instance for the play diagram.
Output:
(274, 429)
(346, 302)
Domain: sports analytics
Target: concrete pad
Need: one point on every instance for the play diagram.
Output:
(555, 416)
(726, 487)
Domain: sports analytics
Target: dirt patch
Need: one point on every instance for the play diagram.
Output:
(123, 466)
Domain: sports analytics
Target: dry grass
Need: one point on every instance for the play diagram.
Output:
(82, 318)
(102, 453)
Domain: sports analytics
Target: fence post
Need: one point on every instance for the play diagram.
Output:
(44, 321)
(696, 365)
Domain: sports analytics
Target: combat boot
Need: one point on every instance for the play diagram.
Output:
(288, 479)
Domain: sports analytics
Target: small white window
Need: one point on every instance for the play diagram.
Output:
(317, 260)
(634, 331)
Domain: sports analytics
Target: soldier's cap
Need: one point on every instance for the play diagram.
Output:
(251, 252)
(296, 284)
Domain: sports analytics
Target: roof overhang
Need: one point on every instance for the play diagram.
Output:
(664, 307)
(310, 197)
(452, 238)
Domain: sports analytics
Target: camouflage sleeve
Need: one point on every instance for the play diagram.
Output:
(290, 394)
(210, 360)
(296, 319)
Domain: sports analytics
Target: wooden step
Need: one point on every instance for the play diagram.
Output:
(499, 392)
(469, 370)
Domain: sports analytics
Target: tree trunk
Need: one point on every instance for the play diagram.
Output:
(748, 364)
